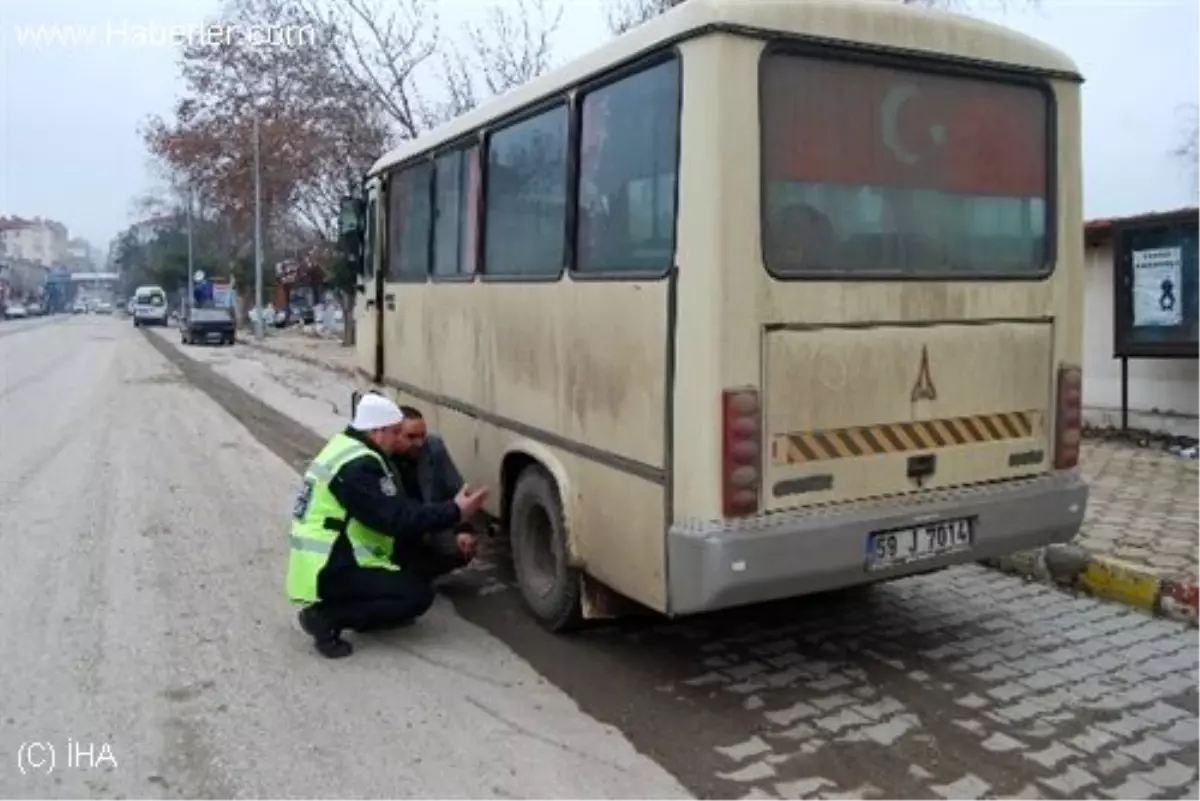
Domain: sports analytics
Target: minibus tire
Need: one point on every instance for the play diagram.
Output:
(550, 587)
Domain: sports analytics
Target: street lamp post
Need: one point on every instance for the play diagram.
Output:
(259, 323)
(191, 258)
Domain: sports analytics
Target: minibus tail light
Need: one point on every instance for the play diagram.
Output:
(741, 452)
(1069, 418)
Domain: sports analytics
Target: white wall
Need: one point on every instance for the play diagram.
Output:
(1162, 392)
(36, 242)
(22, 243)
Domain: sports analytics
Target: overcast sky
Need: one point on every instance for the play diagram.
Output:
(70, 147)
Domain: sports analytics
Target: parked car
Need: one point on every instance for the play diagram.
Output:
(16, 311)
(79, 308)
(303, 313)
(35, 309)
(104, 307)
(207, 326)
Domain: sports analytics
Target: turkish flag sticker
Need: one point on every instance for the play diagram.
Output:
(862, 125)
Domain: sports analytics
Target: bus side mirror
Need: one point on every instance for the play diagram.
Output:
(351, 226)
(350, 217)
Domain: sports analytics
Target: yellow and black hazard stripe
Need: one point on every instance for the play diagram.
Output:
(922, 435)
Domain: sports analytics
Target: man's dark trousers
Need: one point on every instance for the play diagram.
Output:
(372, 599)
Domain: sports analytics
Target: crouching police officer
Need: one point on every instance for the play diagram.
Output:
(348, 517)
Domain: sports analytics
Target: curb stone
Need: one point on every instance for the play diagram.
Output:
(300, 357)
(1104, 577)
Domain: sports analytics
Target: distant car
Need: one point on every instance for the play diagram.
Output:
(302, 312)
(207, 326)
(150, 306)
(34, 310)
(103, 307)
(79, 308)
(16, 311)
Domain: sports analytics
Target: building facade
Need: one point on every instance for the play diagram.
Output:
(22, 280)
(81, 257)
(37, 241)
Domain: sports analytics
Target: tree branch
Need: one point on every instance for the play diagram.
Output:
(1187, 152)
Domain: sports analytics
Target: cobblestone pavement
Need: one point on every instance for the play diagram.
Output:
(966, 683)
(1142, 509)
(1138, 544)
(962, 684)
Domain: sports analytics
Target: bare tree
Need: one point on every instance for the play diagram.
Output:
(379, 47)
(318, 133)
(396, 54)
(1188, 149)
(170, 190)
(623, 15)
(513, 47)
(459, 80)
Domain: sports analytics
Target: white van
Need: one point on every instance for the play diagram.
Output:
(149, 306)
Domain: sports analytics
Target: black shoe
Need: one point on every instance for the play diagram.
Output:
(326, 638)
(333, 649)
(315, 624)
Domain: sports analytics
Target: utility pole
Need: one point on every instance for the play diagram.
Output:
(191, 296)
(259, 323)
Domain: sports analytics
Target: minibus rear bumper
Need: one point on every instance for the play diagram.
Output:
(736, 562)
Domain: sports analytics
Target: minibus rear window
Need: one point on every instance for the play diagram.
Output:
(876, 171)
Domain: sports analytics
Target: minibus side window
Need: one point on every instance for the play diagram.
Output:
(627, 174)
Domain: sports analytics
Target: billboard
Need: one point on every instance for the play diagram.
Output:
(1156, 287)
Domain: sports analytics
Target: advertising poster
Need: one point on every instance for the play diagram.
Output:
(1157, 285)
(222, 296)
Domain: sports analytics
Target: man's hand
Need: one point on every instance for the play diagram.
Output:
(469, 501)
(466, 546)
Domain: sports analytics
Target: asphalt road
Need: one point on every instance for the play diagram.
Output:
(147, 647)
(961, 684)
(11, 327)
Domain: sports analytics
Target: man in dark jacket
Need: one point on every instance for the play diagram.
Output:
(349, 517)
(429, 475)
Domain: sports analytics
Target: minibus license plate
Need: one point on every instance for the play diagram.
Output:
(901, 546)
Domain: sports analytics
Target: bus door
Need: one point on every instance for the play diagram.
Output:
(368, 320)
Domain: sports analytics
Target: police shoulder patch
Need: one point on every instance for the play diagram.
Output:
(387, 486)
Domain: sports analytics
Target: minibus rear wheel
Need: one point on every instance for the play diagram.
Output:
(550, 587)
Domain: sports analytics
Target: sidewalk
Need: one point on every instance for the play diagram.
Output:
(314, 350)
(1138, 545)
